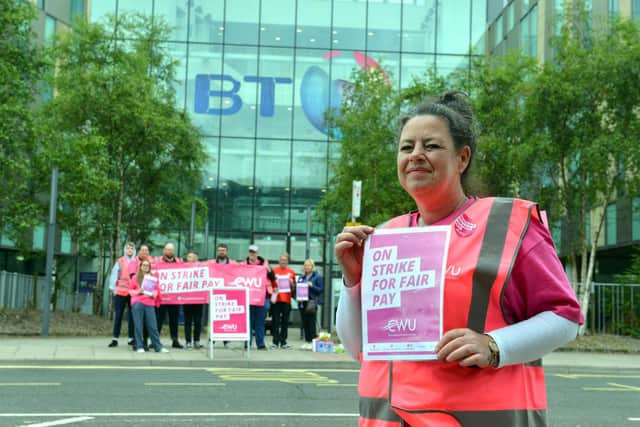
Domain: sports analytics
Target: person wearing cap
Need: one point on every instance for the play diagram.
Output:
(258, 313)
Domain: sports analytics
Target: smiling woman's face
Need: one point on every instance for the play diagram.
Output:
(428, 163)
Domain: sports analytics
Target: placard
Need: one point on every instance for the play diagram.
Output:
(402, 292)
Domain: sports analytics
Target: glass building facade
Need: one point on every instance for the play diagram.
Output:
(256, 76)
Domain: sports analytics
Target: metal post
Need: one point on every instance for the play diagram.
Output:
(193, 224)
(51, 240)
(307, 249)
(332, 310)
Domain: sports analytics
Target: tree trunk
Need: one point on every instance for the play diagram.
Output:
(588, 280)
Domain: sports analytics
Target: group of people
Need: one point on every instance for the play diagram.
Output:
(135, 287)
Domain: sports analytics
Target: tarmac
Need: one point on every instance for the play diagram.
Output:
(94, 351)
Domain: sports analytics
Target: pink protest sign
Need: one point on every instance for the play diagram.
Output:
(186, 283)
(302, 291)
(252, 277)
(190, 283)
(402, 291)
(284, 283)
(229, 314)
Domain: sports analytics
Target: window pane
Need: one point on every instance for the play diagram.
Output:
(611, 224)
(77, 8)
(635, 9)
(237, 244)
(49, 30)
(415, 66)
(533, 30)
(206, 21)
(524, 35)
(236, 189)
(446, 64)
(497, 31)
(176, 14)
(99, 9)
(241, 22)
(419, 27)
(390, 63)
(349, 25)
(240, 91)
(314, 24)
(270, 246)
(478, 26)
(383, 32)
(142, 6)
(298, 250)
(38, 237)
(205, 99)
(210, 170)
(275, 93)
(309, 166)
(453, 26)
(273, 163)
(277, 23)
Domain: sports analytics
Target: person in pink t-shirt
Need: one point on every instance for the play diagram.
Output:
(145, 292)
(507, 301)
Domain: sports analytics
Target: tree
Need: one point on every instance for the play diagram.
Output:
(584, 115)
(114, 94)
(22, 66)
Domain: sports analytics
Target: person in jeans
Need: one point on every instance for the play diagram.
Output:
(119, 285)
(316, 287)
(145, 291)
(282, 307)
(192, 314)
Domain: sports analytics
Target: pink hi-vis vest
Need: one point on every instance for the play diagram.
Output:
(485, 239)
(122, 284)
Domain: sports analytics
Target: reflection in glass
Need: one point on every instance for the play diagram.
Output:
(276, 93)
(176, 14)
(239, 91)
(144, 7)
(204, 61)
(453, 26)
(241, 22)
(383, 27)
(419, 27)
(314, 24)
(415, 66)
(207, 21)
(446, 64)
(277, 23)
(349, 25)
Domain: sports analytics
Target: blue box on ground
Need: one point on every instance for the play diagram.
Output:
(320, 346)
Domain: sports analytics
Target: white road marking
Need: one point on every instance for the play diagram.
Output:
(634, 419)
(184, 414)
(60, 422)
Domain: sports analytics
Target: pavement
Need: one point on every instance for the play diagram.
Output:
(94, 351)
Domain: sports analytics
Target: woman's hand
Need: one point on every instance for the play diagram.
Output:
(349, 250)
(466, 347)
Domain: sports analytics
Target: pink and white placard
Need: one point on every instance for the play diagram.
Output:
(402, 292)
(229, 314)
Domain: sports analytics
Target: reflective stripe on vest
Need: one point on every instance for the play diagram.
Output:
(122, 284)
(479, 267)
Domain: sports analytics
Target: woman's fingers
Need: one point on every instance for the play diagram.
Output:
(464, 346)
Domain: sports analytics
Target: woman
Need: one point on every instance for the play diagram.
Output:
(145, 293)
(501, 321)
(307, 312)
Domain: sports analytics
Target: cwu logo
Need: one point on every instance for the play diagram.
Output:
(400, 325)
(219, 94)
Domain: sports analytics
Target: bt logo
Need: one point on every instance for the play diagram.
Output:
(317, 92)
